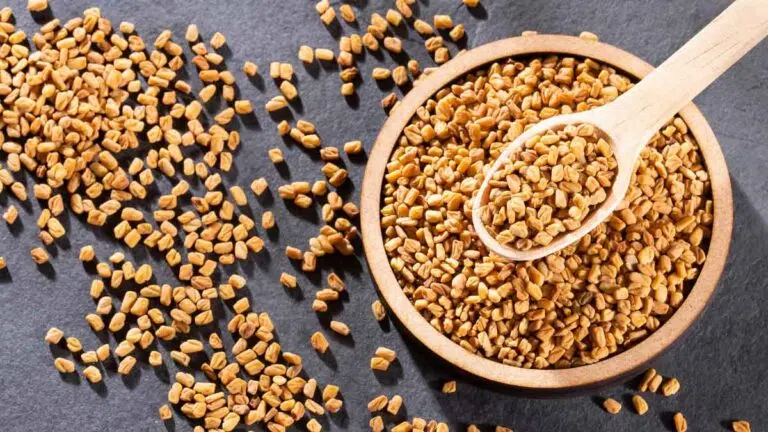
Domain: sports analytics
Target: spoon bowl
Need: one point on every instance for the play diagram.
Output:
(626, 161)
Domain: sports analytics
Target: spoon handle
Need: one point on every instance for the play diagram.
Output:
(633, 117)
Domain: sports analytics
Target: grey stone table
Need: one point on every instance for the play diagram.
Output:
(721, 362)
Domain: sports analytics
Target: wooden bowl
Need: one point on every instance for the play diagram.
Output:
(607, 370)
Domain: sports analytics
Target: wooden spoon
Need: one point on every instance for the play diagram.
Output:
(629, 122)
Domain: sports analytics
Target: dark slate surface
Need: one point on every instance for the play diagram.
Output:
(721, 363)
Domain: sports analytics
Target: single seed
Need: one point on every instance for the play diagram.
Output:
(378, 403)
(589, 36)
(319, 342)
(641, 406)
(612, 406)
(449, 387)
(378, 310)
(394, 404)
(741, 426)
(670, 387)
(340, 328)
(380, 364)
(63, 365)
(681, 424)
(442, 22)
(92, 374)
(250, 68)
(37, 5)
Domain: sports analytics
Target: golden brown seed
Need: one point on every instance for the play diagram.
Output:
(324, 54)
(10, 215)
(287, 280)
(380, 364)
(589, 36)
(268, 220)
(393, 44)
(449, 387)
(243, 107)
(276, 103)
(54, 336)
(472, 3)
(681, 424)
(394, 404)
(378, 310)
(39, 255)
(319, 342)
(276, 155)
(347, 13)
(37, 5)
(386, 353)
(612, 406)
(378, 403)
(92, 374)
(741, 426)
(641, 406)
(670, 387)
(218, 40)
(165, 412)
(250, 68)
(423, 28)
(347, 89)
(340, 328)
(442, 22)
(328, 16)
(306, 54)
(380, 73)
(64, 365)
(457, 32)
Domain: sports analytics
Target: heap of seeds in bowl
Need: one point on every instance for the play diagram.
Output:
(592, 299)
(548, 186)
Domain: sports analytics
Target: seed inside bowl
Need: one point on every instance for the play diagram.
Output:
(549, 186)
(594, 298)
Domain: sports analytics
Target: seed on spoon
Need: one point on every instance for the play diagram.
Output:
(549, 186)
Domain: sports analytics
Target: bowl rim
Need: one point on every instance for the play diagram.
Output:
(596, 374)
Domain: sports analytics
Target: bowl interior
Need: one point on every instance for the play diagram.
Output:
(601, 372)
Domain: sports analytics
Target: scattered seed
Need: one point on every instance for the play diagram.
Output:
(641, 406)
(612, 406)
(681, 424)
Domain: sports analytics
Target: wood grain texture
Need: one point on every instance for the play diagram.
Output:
(597, 374)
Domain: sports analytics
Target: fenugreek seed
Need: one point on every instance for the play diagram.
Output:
(287, 280)
(276, 103)
(268, 221)
(328, 16)
(92, 374)
(347, 89)
(741, 426)
(646, 380)
(276, 155)
(681, 424)
(347, 13)
(54, 336)
(670, 387)
(243, 107)
(378, 403)
(393, 44)
(306, 54)
(442, 22)
(376, 424)
(293, 253)
(393, 407)
(37, 5)
(250, 68)
(319, 342)
(192, 34)
(378, 310)
(379, 364)
(314, 426)
(386, 353)
(423, 28)
(340, 328)
(319, 306)
(457, 32)
(400, 75)
(655, 383)
(641, 406)
(218, 40)
(10, 215)
(471, 3)
(589, 36)
(126, 365)
(64, 365)
(165, 412)
(381, 73)
(324, 54)
(39, 256)
(612, 406)
(155, 358)
(334, 405)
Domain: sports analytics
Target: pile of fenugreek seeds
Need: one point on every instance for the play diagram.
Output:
(594, 298)
(96, 114)
(548, 186)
